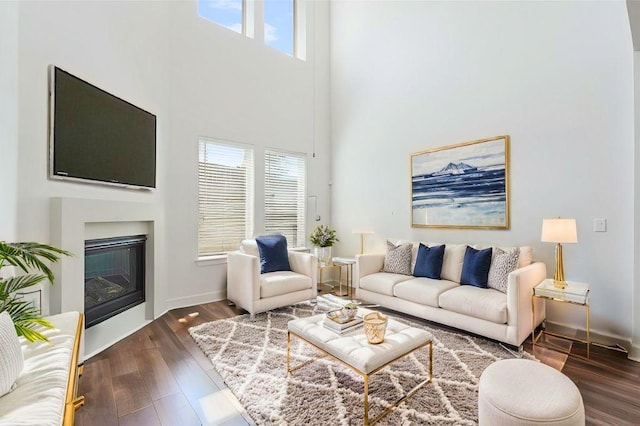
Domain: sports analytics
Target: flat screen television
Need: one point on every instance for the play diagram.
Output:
(97, 137)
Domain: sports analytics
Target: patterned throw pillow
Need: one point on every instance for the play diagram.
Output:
(398, 259)
(502, 264)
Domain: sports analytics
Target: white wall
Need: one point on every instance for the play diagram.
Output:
(227, 86)
(118, 46)
(198, 78)
(8, 119)
(634, 353)
(556, 76)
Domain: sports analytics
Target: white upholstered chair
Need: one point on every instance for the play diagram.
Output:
(256, 292)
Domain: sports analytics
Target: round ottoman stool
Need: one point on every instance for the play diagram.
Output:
(523, 392)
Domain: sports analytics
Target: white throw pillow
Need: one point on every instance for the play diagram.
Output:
(452, 262)
(11, 361)
(249, 247)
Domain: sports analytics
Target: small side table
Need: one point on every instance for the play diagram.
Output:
(574, 293)
(348, 263)
(329, 285)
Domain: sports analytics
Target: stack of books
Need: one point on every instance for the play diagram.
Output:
(339, 325)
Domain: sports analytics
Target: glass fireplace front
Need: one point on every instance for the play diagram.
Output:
(113, 276)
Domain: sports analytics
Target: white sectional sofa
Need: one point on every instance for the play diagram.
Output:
(506, 317)
(46, 390)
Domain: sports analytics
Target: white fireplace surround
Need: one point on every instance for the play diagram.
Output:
(75, 220)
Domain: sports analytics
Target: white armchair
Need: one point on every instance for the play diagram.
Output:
(256, 292)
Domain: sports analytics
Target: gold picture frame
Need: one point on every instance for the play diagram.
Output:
(465, 185)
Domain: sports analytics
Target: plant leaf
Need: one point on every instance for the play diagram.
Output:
(28, 255)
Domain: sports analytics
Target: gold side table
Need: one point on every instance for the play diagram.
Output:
(574, 293)
(327, 286)
(346, 262)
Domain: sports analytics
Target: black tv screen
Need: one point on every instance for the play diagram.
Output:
(98, 137)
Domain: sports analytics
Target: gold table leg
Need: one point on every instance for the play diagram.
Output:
(588, 333)
(288, 351)
(366, 399)
(533, 322)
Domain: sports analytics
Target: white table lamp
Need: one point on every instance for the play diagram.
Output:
(559, 231)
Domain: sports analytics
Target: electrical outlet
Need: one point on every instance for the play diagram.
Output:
(600, 225)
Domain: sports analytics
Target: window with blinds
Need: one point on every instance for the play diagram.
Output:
(284, 195)
(225, 196)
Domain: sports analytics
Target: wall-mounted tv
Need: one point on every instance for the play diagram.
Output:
(97, 137)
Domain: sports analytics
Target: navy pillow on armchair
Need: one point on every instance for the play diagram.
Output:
(273, 253)
(475, 269)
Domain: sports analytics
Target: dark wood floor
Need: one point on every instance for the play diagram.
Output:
(158, 376)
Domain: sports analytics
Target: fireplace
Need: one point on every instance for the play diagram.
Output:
(114, 276)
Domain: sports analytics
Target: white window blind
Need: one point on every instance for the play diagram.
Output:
(284, 194)
(225, 196)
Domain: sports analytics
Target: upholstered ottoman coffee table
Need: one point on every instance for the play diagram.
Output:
(525, 393)
(354, 351)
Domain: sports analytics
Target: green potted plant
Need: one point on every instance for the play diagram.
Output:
(323, 238)
(30, 258)
(350, 310)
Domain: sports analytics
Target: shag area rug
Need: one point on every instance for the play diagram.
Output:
(250, 355)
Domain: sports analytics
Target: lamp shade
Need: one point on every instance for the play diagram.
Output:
(559, 231)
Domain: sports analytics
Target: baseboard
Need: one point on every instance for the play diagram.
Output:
(112, 342)
(181, 302)
(604, 338)
(634, 353)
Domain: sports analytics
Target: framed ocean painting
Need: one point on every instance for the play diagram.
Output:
(465, 185)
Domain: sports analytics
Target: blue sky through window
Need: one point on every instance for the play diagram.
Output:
(278, 25)
(227, 13)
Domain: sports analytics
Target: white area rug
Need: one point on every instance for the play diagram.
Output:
(251, 358)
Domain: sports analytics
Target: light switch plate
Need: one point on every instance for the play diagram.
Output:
(600, 225)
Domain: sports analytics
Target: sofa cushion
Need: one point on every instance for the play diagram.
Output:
(425, 291)
(39, 397)
(429, 262)
(382, 282)
(282, 282)
(483, 303)
(273, 253)
(398, 259)
(475, 269)
(452, 262)
(502, 264)
(11, 361)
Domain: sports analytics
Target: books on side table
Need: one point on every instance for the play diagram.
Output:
(340, 325)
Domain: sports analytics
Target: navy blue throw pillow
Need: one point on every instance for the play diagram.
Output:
(429, 262)
(273, 253)
(475, 269)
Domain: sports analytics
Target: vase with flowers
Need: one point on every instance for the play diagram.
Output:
(323, 238)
